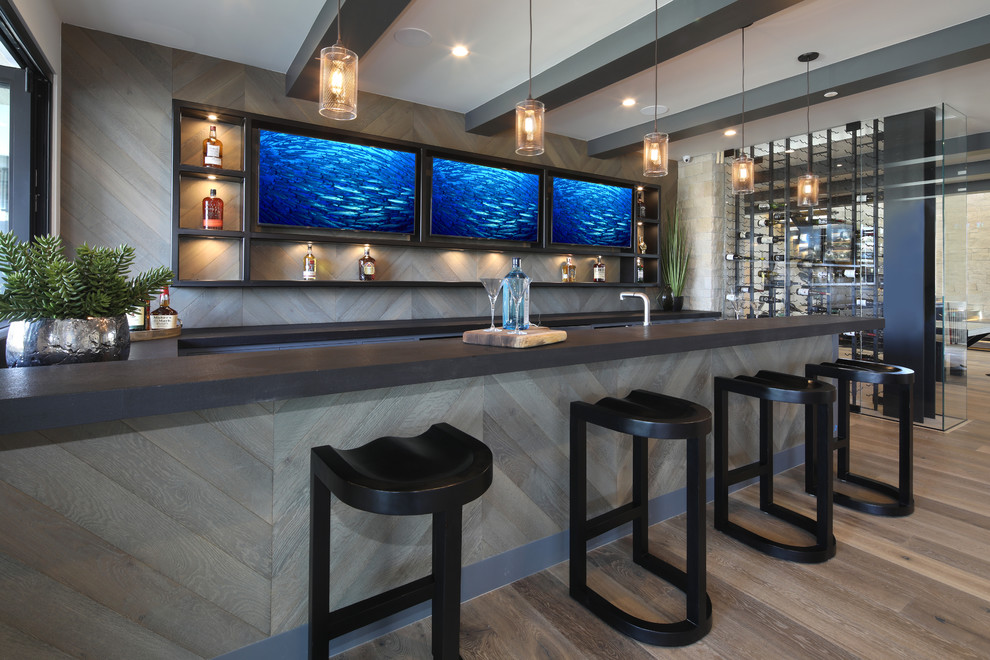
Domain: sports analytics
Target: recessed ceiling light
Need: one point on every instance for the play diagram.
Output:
(628, 102)
(648, 110)
(459, 51)
(830, 93)
(729, 132)
(413, 37)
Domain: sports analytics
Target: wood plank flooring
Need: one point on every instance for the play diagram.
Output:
(914, 587)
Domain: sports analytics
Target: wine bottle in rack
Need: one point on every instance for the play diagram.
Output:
(366, 266)
(598, 270)
(768, 299)
(750, 288)
(212, 211)
(732, 256)
(745, 234)
(803, 291)
(766, 273)
(309, 263)
(769, 240)
(212, 150)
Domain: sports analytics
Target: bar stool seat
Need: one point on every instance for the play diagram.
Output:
(768, 387)
(436, 472)
(643, 415)
(846, 371)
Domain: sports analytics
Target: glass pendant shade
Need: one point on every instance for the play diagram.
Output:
(742, 175)
(807, 192)
(655, 154)
(529, 127)
(338, 83)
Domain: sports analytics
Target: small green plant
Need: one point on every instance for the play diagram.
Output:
(675, 253)
(39, 282)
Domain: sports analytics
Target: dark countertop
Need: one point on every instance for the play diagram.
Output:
(48, 397)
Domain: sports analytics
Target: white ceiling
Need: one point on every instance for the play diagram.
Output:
(268, 34)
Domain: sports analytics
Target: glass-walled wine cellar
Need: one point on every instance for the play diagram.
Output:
(782, 259)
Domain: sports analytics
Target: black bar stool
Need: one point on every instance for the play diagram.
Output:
(643, 415)
(435, 472)
(890, 376)
(770, 386)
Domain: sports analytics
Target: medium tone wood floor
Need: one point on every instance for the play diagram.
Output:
(914, 587)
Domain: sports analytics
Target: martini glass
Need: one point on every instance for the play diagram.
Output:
(517, 296)
(492, 287)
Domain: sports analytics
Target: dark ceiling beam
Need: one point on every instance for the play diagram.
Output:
(939, 51)
(363, 24)
(684, 26)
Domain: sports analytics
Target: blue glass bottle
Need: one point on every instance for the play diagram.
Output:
(516, 279)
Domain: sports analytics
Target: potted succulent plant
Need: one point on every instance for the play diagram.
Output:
(66, 311)
(675, 254)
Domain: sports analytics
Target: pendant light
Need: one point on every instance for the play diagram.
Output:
(807, 191)
(655, 144)
(338, 79)
(529, 113)
(742, 166)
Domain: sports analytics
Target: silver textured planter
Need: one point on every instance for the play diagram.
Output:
(41, 342)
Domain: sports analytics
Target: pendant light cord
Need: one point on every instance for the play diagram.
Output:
(530, 97)
(338, 22)
(742, 130)
(807, 99)
(656, 59)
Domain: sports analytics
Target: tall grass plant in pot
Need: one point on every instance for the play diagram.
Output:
(675, 254)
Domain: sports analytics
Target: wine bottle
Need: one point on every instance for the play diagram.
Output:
(366, 266)
(598, 270)
(568, 271)
(212, 211)
(768, 299)
(769, 240)
(803, 291)
(640, 276)
(745, 234)
(164, 317)
(309, 263)
(212, 150)
(731, 256)
(135, 317)
(750, 288)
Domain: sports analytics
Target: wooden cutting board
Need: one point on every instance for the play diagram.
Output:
(144, 335)
(535, 336)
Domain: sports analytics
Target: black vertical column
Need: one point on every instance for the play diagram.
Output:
(909, 254)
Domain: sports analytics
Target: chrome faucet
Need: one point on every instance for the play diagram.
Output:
(646, 303)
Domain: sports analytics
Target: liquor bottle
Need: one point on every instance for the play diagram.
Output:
(640, 275)
(212, 150)
(731, 256)
(164, 318)
(769, 240)
(309, 263)
(512, 316)
(135, 318)
(598, 270)
(212, 211)
(567, 271)
(641, 203)
(366, 266)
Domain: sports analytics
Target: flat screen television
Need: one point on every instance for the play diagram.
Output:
(483, 202)
(318, 182)
(594, 214)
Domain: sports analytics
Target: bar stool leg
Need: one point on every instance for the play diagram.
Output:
(319, 569)
(822, 440)
(579, 508)
(720, 434)
(697, 587)
(905, 467)
(640, 499)
(447, 583)
(766, 454)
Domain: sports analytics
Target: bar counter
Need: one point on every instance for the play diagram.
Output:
(34, 399)
(161, 505)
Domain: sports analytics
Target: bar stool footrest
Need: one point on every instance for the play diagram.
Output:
(678, 633)
(364, 612)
